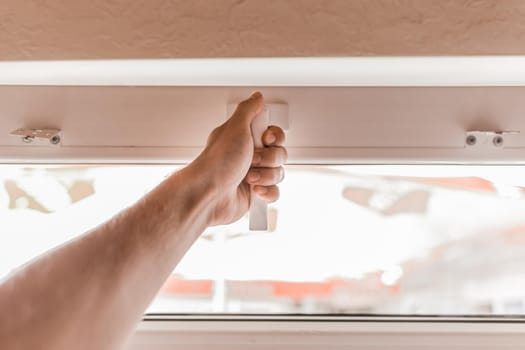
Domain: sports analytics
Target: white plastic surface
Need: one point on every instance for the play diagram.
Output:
(339, 332)
(333, 125)
(258, 207)
(284, 72)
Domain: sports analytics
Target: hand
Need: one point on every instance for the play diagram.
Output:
(232, 164)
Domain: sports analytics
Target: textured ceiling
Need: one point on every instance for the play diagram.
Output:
(76, 29)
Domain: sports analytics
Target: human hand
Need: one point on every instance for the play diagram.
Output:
(232, 164)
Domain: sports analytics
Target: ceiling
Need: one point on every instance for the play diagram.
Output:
(63, 29)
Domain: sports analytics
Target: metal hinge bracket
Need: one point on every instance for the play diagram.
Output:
(487, 139)
(38, 135)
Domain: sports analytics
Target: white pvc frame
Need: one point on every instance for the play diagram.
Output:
(314, 71)
(291, 332)
(301, 332)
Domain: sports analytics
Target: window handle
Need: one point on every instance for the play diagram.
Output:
(258, 207)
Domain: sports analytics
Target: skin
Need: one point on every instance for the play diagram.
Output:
(91, 292)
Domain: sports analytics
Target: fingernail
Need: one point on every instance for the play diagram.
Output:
(255, 94)
(253, 176)
(256, 158)
(270, 138)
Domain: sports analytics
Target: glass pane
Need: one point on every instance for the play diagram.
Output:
(372, 239)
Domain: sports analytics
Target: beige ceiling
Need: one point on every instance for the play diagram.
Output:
(76, 29)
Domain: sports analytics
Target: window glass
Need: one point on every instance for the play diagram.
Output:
(346, 239)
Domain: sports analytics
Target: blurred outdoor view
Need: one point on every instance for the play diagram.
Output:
(372, 239)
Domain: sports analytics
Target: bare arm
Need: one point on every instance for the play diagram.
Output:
(91, 292)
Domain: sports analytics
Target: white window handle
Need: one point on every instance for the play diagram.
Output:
(258, 207)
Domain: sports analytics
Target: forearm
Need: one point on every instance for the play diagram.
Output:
(95, 288)
(89, 293)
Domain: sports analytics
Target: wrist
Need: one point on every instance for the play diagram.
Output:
(200, 188)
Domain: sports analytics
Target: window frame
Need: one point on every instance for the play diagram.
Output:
(60, 88)
(328, 125)
(298, 332)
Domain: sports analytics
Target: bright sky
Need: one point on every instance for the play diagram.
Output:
(319, 234)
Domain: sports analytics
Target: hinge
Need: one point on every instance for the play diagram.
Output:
(34, 135)
(486, 139)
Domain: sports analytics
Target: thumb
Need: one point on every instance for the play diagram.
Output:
(248, 109)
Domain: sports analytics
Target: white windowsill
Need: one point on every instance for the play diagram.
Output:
(325, 332)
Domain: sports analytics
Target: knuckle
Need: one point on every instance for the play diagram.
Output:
(273, 193)
(272, 158)
(244, 104)
(277, 175)
(283, 135)
(279, 134)
(284, 154)
(273, 129)
(268, 156)
(214, 133)
(278, 156)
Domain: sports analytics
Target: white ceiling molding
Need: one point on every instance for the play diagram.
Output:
(343, 71)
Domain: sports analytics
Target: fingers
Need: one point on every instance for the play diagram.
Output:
(273, 136)
(265, 176)
(268, 161)
(269, 157)
(268, 193)
(248, 109)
